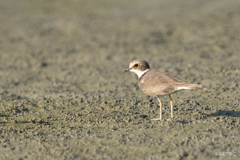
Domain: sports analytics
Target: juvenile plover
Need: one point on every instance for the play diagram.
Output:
(156, 83)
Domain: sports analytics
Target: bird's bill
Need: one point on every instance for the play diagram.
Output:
(127, 70)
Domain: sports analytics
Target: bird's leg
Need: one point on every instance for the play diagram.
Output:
(160, 104)
(171, 103)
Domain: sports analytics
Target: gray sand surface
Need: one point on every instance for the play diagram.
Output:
(63, 93)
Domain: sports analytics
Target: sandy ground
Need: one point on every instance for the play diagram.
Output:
(63, 93)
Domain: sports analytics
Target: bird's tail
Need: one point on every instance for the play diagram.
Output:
(189, 86)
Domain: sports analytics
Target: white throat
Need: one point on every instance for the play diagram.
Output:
(139, 73)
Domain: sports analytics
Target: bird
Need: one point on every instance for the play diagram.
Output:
(156, 83)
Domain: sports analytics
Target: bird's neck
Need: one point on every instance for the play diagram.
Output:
(141, 73)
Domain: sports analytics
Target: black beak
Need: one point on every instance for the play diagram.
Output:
(127, 70)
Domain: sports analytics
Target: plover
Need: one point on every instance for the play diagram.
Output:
(156, 83)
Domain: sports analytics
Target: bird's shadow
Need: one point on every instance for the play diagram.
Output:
(226, 113)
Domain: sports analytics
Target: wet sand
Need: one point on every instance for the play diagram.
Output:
(63, 93)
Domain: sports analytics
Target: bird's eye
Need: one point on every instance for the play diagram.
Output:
(136, 65)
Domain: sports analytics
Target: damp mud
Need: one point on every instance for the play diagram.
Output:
(63, 93)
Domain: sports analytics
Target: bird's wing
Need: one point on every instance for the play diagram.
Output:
(173, 78)
(159, 83)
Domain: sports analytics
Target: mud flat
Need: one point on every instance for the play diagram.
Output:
(63, 93)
